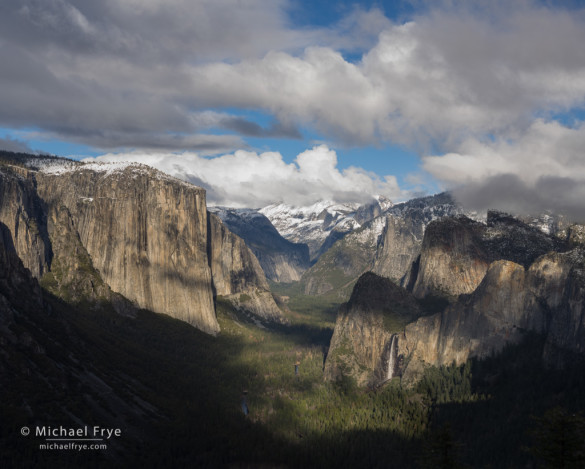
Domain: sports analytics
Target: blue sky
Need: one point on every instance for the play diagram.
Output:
(396, 97)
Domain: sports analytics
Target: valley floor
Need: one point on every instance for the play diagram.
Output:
(497, 413)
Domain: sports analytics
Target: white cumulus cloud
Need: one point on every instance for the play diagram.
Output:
(249, 179)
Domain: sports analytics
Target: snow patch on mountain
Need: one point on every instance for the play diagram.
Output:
(312, 224)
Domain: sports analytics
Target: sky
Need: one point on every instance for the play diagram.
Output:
(269, 101)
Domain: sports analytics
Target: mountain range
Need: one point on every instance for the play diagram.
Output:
(131, 303)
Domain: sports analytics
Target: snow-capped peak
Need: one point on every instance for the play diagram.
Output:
(314, 223)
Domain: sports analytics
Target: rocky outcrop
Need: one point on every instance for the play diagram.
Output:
(48, 368)
(452, 260)
(548, 298)
(401, 242)
(397, 249)
(457, 251)
(281, 260)
(21, 211)
(388, 245)
(146, 234)
(556, 283)
(72, 275)
(237, 274)
(18, 288)
(98, 234)
(501, 281)
(368, 329)
(373, 209)
(506, 237)
(576, 235)
(477, 325)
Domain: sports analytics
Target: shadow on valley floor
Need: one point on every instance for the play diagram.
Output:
(176, 394)
(515, 413)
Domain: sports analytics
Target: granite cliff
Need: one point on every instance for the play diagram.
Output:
(21, 211)
(107, 232)
(386, 244)
(457, 251)
(237, 274)
(44, 362)
(281, 260)
(397, 249)
(547, 298)
(145, 233)
(503, 278)
(364, 342)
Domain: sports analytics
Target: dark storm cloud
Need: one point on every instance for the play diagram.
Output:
(80, 70)
(113, 74)
(509, 193)
(251, 129)
(11, 144)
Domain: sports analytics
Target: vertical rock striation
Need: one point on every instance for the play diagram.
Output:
(547, 298)
(146, 234)
(21, 211)
(237, 274)
(280, 259)
(367, 331)
(397, 249)
(456, 252)
(453, 260)
(504, 278)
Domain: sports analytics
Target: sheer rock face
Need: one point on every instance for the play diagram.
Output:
(453, 260)
(21, 211)
(72, 275)
(357, 346)
(104, 233)
(234, 266)
(18, 288)
(547, 298)
(456, 252)
(237, 274)
(576, 235)
(398, 248)
(377, 310)
(20, 294)
(503, 278)
(557, 285)
(397, 255)
(280, 259)
(146, 235)
(33, 357)
(475, 326)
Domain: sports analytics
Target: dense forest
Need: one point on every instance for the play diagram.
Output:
(506, 411)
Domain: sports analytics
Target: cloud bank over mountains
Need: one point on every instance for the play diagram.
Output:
(541, 169)
(249, 179)
(475, 88)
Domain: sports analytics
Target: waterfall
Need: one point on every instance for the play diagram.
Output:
(392, 357)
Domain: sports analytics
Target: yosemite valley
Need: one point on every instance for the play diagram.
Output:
(337, 335)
